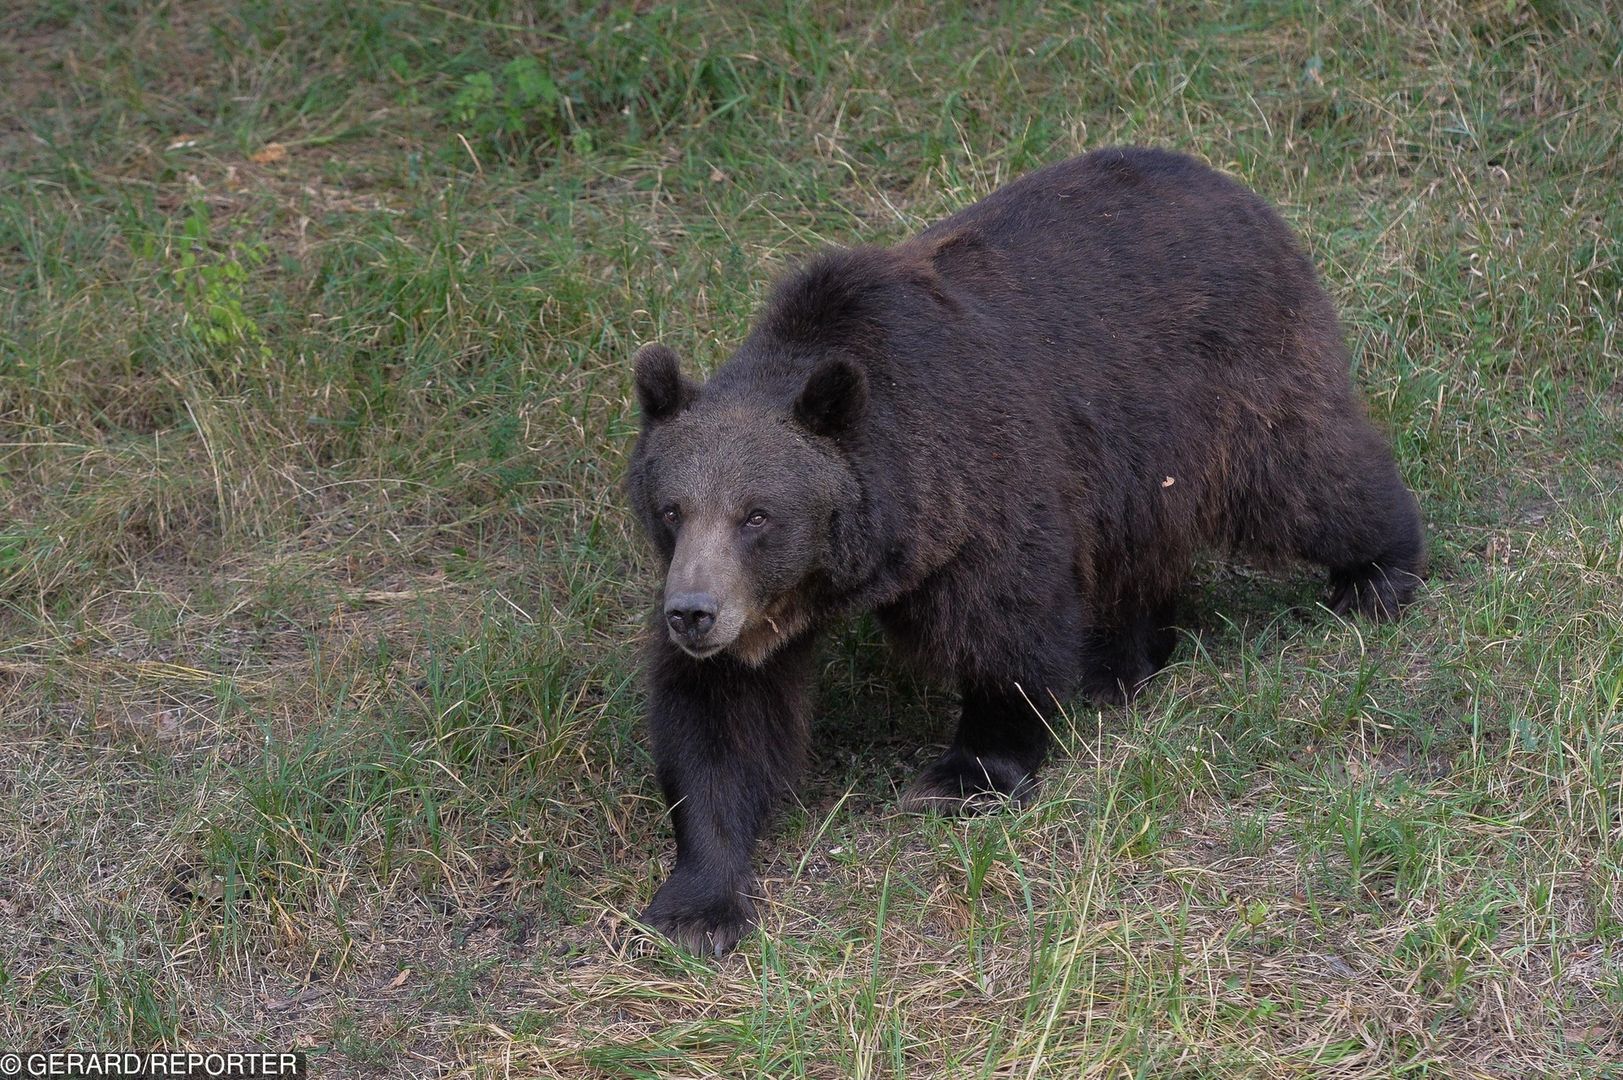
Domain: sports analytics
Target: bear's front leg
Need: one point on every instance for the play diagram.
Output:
(728, 740)
(1002, 740)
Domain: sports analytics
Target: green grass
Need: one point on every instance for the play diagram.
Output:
(319, 723)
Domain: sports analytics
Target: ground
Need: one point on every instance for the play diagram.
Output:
(319, 722)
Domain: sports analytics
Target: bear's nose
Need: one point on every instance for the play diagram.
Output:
(691, 614)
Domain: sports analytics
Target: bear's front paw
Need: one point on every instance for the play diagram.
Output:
(700, 919)
(958, 782)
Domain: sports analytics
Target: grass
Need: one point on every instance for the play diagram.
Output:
(319, 724)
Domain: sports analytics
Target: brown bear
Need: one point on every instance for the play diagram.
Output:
(1007, 437)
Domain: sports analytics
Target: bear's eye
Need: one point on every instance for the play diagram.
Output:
(756, 519)
(670, 515)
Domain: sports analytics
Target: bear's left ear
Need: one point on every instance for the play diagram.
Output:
(834, 397)
(662, 389)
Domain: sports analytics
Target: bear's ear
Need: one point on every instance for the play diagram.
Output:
(662, 389)
(834, 397)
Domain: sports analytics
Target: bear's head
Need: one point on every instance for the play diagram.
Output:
(741, 487)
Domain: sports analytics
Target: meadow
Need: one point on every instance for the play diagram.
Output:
(319, 716)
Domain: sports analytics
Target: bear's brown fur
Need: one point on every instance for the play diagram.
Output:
(1008, 437)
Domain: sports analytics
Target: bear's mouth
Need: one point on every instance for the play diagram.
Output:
(698, 652)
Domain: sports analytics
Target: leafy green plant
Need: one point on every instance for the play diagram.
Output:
(518, 103)
(213, 287)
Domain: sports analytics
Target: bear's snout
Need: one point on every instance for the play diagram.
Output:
(705, 589)
(691, 616)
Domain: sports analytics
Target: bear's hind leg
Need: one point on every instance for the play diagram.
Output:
(1362, 524)
(1002, 738)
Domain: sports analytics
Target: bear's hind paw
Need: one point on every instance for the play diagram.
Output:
(1371, 592)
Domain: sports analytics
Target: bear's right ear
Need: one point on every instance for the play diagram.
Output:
(662, 389)
(834, 397)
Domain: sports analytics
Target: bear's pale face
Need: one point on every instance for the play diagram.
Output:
(738, 500)
(739, 494)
